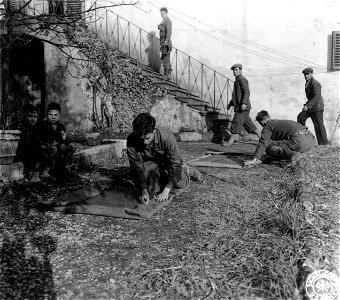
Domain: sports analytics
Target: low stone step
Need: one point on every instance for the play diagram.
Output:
(165, 84)
(179, 92)
(204, 107)
(89, 157)
(192, 101)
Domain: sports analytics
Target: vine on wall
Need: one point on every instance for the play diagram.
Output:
(119, 89)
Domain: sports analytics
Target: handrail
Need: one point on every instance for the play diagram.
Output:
(188, 73)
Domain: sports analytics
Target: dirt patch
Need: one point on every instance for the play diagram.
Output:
(238, 234)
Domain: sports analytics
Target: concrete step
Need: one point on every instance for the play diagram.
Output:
(192, 101)
(166, 84)
(180, 92)
(204, 107)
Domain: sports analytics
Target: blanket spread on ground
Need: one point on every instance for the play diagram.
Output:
(234, 160)
(105, 197)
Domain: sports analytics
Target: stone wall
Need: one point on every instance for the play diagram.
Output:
(63, 87)
(178, 117)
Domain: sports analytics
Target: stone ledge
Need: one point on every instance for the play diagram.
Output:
(189, 137)
(87, 158)
(11, 172)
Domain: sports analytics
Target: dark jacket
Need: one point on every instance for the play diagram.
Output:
(313, 94)
(165, 31)
(276, 130)
(49, 135)
(29, 143)
(241, 94)
(163, 151)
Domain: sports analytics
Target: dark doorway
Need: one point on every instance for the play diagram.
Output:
(28, 67)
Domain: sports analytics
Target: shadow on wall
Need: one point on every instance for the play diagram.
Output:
(25, 268)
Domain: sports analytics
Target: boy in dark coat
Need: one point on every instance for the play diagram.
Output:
(29, 145)
(56, 148)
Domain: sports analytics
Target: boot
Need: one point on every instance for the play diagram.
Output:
(194, 174)
(35, 177)
(294, 158)
(232, 140)
(275, 151)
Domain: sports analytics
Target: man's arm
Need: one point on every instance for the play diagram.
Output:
(136, 164)
(316, 95)
(246, 92)
(168, 30)
(266, 135)
(175, 161)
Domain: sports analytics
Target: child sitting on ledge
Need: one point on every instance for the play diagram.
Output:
(29, 145)
(56, 148)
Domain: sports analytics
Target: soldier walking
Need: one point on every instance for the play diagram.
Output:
(314, 107)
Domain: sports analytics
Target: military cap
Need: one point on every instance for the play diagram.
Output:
(307, 70)
(236, 66)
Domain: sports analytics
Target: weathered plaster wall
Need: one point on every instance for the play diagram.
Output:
(64, 88)
(178, 117)
(298, 28)
(76, 100)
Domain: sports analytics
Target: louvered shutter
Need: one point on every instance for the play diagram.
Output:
(16, 4)
(74, 9)
(335, 50)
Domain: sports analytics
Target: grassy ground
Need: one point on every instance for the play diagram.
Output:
(238, 235)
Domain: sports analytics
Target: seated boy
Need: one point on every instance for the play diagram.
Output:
(56, 148)
(29, 144)
(155, 161)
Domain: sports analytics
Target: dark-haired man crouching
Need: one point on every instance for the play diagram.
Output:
(155, 161)
(281, 139)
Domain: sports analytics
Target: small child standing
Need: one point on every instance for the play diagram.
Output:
(29, 145)
(56, 148)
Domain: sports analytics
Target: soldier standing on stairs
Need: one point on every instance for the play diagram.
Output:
(165, 32)
(240, 102)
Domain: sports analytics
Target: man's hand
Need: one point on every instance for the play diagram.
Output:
(250, 163)
(163, 196)
(145, 197)
(243, 106)
(63, 135)
(305, 108)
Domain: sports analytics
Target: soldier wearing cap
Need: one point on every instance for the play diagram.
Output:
(241, 103)
(314, 107)
(165, 32)
(281, 139)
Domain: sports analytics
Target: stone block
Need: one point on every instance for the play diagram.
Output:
(11, 172)
(190, 136)
(87, 158)
(120, 146)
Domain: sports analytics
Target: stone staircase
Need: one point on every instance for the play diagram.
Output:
(181, 94)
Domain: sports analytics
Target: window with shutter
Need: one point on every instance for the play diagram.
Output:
(335, 50)
(74, 9)
(56, 7)
(17, 4)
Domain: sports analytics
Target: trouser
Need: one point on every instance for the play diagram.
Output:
(317, 119)
(157, 178)
(167, 64)
(240, 120)
(284, 149)
(57, 156)
(31, 158)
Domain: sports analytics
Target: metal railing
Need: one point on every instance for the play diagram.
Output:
(187, 72)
